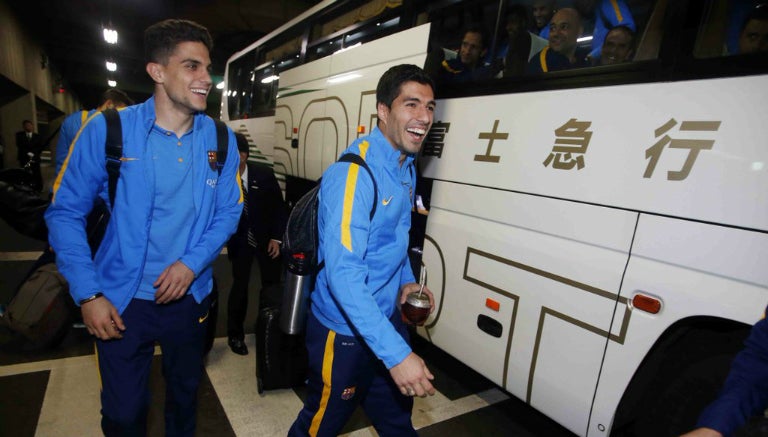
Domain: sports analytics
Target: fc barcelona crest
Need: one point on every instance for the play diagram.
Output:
(212, 162)
(348, 393)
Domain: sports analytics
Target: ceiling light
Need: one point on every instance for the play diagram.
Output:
(112, 83)
(270, 79)
(585, 38)
(344, 77)
(111, 66)
(110, 36)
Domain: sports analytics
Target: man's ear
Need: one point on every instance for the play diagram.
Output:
(382, 112)
(155, 71)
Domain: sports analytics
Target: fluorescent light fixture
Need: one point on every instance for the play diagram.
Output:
(220, 85)
(270, 79)
(757, 166)
(585, 38)
(344, 77)
(112, 83)
(110, 36)
(347, 48)
(111, 66)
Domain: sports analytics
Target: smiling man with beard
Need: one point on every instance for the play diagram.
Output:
(173, 211)
(359, 352)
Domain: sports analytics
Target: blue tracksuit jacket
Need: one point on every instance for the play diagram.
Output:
(366, 261)
(117, 267)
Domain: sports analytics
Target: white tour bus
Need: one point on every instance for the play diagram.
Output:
(596, 238)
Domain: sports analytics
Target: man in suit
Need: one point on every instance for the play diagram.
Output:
(258, 235)
(27, 141)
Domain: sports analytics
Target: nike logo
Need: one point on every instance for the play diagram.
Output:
(386, 201)
(202, 319)
(123, 158)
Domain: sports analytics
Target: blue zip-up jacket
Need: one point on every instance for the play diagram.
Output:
(366, 261)
(745, 393)
(117, 267)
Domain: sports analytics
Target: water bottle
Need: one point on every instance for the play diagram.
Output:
(299, 281)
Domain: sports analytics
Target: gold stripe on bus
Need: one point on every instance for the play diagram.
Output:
(327, 372)
(349, 200)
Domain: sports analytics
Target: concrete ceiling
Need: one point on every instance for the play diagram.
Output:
(71, 33)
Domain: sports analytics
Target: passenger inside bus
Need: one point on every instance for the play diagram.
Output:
(619, 46)
(466, 64)
(543, 10)
(563, 52)
(520, 44)
(753, 37)
(606, 15)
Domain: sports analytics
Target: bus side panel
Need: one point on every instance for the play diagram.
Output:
(557, 290)
(678, 149)
(260, 135)
(695, 269)
(300, 119)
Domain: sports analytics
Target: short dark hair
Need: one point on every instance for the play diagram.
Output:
(478, 29)
(117, 97)
(242, 143)
(626, 30)
(161, 39)
(518, 11)
(758, 13)
(26, 121)
(389, 85)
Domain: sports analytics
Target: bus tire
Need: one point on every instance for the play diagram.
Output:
(681, 374)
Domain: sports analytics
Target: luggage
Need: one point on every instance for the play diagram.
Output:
(41, 310)
(281, 359)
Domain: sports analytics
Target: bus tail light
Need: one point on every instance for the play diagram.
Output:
(646, 303)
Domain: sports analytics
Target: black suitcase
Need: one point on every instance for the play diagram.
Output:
(281, 359)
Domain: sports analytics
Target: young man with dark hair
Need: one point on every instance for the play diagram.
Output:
(468, 65)
(112, 98)
(619, 46)
(753, 37)
(358, 346)
(173, 211)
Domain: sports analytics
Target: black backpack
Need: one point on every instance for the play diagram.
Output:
(301, 239)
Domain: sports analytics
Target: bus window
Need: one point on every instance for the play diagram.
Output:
(470, 25)
(238, 84)
(624, 30)
(733, 28)
(374, 19)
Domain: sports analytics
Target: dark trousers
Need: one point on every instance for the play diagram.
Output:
(125, 365)
(344, 373)
(237, 305)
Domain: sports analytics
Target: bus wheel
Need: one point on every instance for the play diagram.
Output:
(680, 403)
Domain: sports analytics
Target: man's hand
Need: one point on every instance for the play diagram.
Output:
(273, 249)
(412, 377)
(173, 283)
(703, 432)
(101, 319)
(408, 288)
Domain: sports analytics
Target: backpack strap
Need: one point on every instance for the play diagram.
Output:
(222, 144)
(113, 147)
(357, 159)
